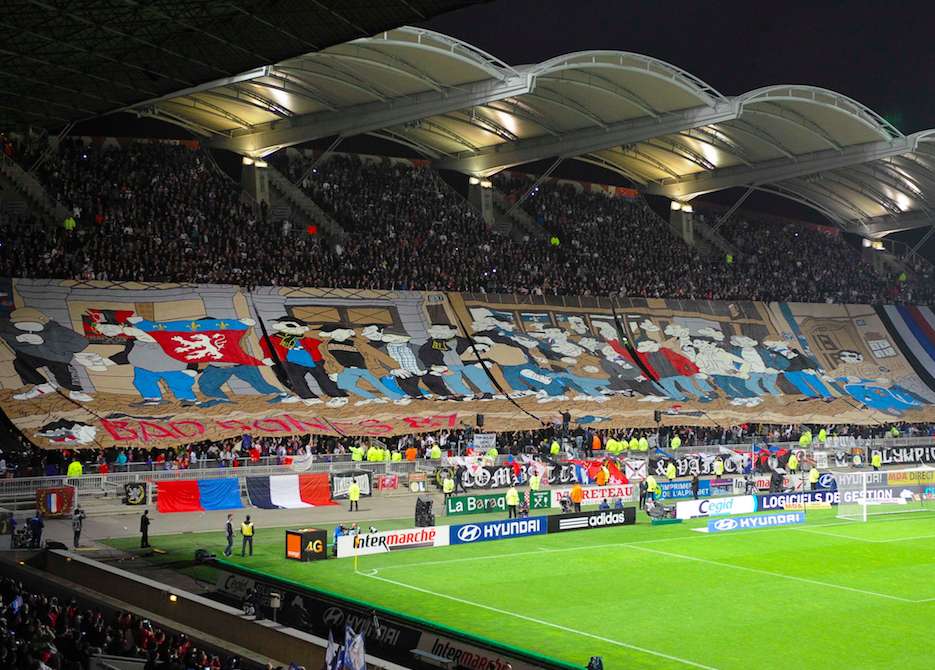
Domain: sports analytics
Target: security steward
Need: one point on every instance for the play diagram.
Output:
(643, 489)
(651, 486)
(793, 463)
(247, 530)
(813, 477)
(512, 503)
(448, 486)
(577, 495)
(876, 460)
(670, 471)
(353, 495)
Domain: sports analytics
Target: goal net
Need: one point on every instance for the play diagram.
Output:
(865, 494)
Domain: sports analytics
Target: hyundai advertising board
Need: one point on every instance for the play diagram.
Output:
(470, 533)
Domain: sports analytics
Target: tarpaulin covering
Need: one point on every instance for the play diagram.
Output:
(190, 495)
(178, 496)
(220, 493)
(289, 491)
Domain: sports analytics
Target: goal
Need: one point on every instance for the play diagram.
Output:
(865, 494)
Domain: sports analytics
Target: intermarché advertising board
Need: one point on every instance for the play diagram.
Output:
(560, 523)
(493, 502)
(469, 533)
(392, 540)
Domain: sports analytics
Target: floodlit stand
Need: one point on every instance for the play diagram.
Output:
(873, 493)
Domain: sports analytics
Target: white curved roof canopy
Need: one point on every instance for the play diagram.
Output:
(661, 127)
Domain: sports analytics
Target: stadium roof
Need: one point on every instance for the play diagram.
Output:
(63, 61)
(663, 128)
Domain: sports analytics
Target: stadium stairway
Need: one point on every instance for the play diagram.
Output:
(20, 191)
(519, 222)
(286, 194)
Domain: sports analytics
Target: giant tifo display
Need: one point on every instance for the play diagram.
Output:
(100, 363)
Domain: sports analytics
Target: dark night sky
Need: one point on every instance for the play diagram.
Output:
(879, 53)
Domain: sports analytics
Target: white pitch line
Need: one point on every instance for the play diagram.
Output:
(776, 574)
(864, 539)
(542, 622)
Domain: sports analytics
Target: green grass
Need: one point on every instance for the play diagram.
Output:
(826, 595)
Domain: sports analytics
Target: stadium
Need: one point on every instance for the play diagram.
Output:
(466, 335)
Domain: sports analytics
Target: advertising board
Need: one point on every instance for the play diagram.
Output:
(691, 509)
(908, 455)
(560, 523)
(468, 657)
(392, 540)
(913, 478)
(798, 500)
(486, 531)
(755, 521)
(494, 502)
(593, 495)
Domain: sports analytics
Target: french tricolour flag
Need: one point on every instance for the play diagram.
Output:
(54, 502)
(289, 491)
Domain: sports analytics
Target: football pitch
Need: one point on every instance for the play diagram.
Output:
(827, 594)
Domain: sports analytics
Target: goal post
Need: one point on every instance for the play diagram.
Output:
(865, 494)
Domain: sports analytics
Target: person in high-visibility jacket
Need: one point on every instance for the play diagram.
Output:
(555, 448)
(534, 482)
(718, 467)
(412, 453)
(822, 436)
(353, 495)
(512, 503)
(75, 468)
(371, 454)
(670, 471)
(611, 446)
(876, 460)
(634, 444)
(605, 471)
(651, 486)
(448, 486)
(805, 439)
(397, 456)
(813, 477)
(247, 531)
(676, 441)
(793, 463)
(357, 453)
(576, 495)
(643, 443)
(436, 453)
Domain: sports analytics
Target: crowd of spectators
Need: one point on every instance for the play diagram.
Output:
(269, 450)
(38, 631)
(158, 211)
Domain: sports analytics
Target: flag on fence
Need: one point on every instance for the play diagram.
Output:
(355, 658)
(332, 654)
(289, 491)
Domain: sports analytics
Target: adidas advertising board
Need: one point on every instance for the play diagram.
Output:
(691, 509)
(392, 540)
(559, 523)
(469, 533)
(592, 495)
(755, 521)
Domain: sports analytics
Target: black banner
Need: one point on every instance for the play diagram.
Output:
(341, 482)
(693, 464)
(134, 493)
(503, 476)
(560, 523)
(910, 455)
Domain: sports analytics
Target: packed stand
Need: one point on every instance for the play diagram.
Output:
(38, 631)
(247, 450)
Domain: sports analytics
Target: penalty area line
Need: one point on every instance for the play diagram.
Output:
(542, 622)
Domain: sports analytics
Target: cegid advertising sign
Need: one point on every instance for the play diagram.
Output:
(469, 533)
(757, 521)
(595, 494)
(392, 540)
(691, 509)
(559, 523)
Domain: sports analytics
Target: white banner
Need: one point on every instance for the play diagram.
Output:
(635, 469)
(485, 441)
(595, 494)
(392, 540)
(691, 509)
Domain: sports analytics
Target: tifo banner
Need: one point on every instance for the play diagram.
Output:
(907, 455)
(593, 495)
(392, 540)
(341, 483)
(55, 502)
(692, 464)
(755, 521)
(498, 530)
(289, 491)
(559, 523)
(198, 495)
(100, 364)
(691, 509)
(496, 502)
